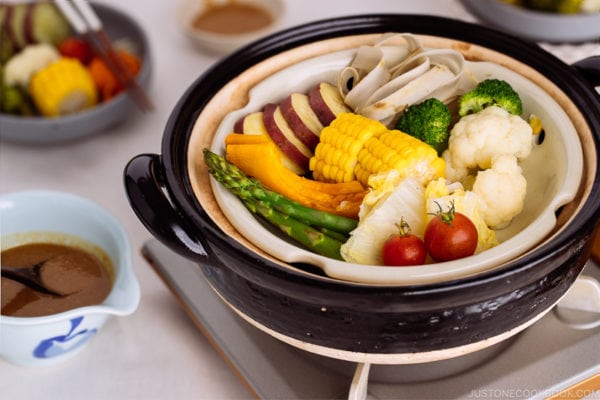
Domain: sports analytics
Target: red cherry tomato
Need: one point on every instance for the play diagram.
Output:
(450, 235)
(76, 48)
(403, 248)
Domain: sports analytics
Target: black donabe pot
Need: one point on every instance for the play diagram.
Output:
(359, 322)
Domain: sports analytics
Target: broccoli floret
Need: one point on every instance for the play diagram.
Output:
(428, 121)
(490, 92)
(12, 98)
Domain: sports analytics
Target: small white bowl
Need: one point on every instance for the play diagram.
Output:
(223, 43)
(46, 340)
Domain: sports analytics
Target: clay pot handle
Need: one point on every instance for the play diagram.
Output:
(590, 68)
(144, 185)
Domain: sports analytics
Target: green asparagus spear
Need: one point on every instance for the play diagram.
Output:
(342, 237)
(245, 187)
(311, 238)
(279, 210)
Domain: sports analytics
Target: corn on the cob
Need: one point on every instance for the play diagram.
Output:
(336, 155)
(63, 87)
(402, 152)
(354, 147)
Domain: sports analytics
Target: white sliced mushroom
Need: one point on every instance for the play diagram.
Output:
(414, 92)
(360, 94)
(384, 79)
(369, 58)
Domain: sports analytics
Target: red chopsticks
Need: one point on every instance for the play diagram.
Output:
(85, 21)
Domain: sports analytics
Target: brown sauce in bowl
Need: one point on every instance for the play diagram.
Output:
(82, 277)
(232, 18)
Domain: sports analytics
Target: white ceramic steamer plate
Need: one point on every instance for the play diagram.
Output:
(536, 25)
(553, 172)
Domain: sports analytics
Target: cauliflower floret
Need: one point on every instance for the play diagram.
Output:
(502, 190)
(454, 172)
(477, 138)
(590, 6)
(20, 68)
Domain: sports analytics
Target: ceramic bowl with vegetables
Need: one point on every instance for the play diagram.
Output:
(55, 87)
(82, 257)
(444, 117)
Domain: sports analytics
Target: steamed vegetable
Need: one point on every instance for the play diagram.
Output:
(105, 80)
(403, 248)
(13, 101)
(257, 156)
(476, 139)
(243, 186)
(336, 155)
(440, 193)
(298, 222)
(450, 235)
(78, 48)
(391, 178)
(402, 152)
(379, 221)
(502, 189)
(30, 22)
(19, 70)
(63, 87)
(483, 153)
(12, 98)
(428, 121)
(356, 147)
(490, 92)
(383, 79)
(559, 6)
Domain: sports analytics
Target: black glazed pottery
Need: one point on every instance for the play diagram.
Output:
(360, 322)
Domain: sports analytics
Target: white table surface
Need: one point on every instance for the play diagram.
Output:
(156, 353)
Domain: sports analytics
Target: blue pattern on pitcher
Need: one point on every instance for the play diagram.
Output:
(58, 345)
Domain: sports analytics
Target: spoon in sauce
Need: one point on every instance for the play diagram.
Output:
(50, 276)
(30, 277)
(46, 278)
